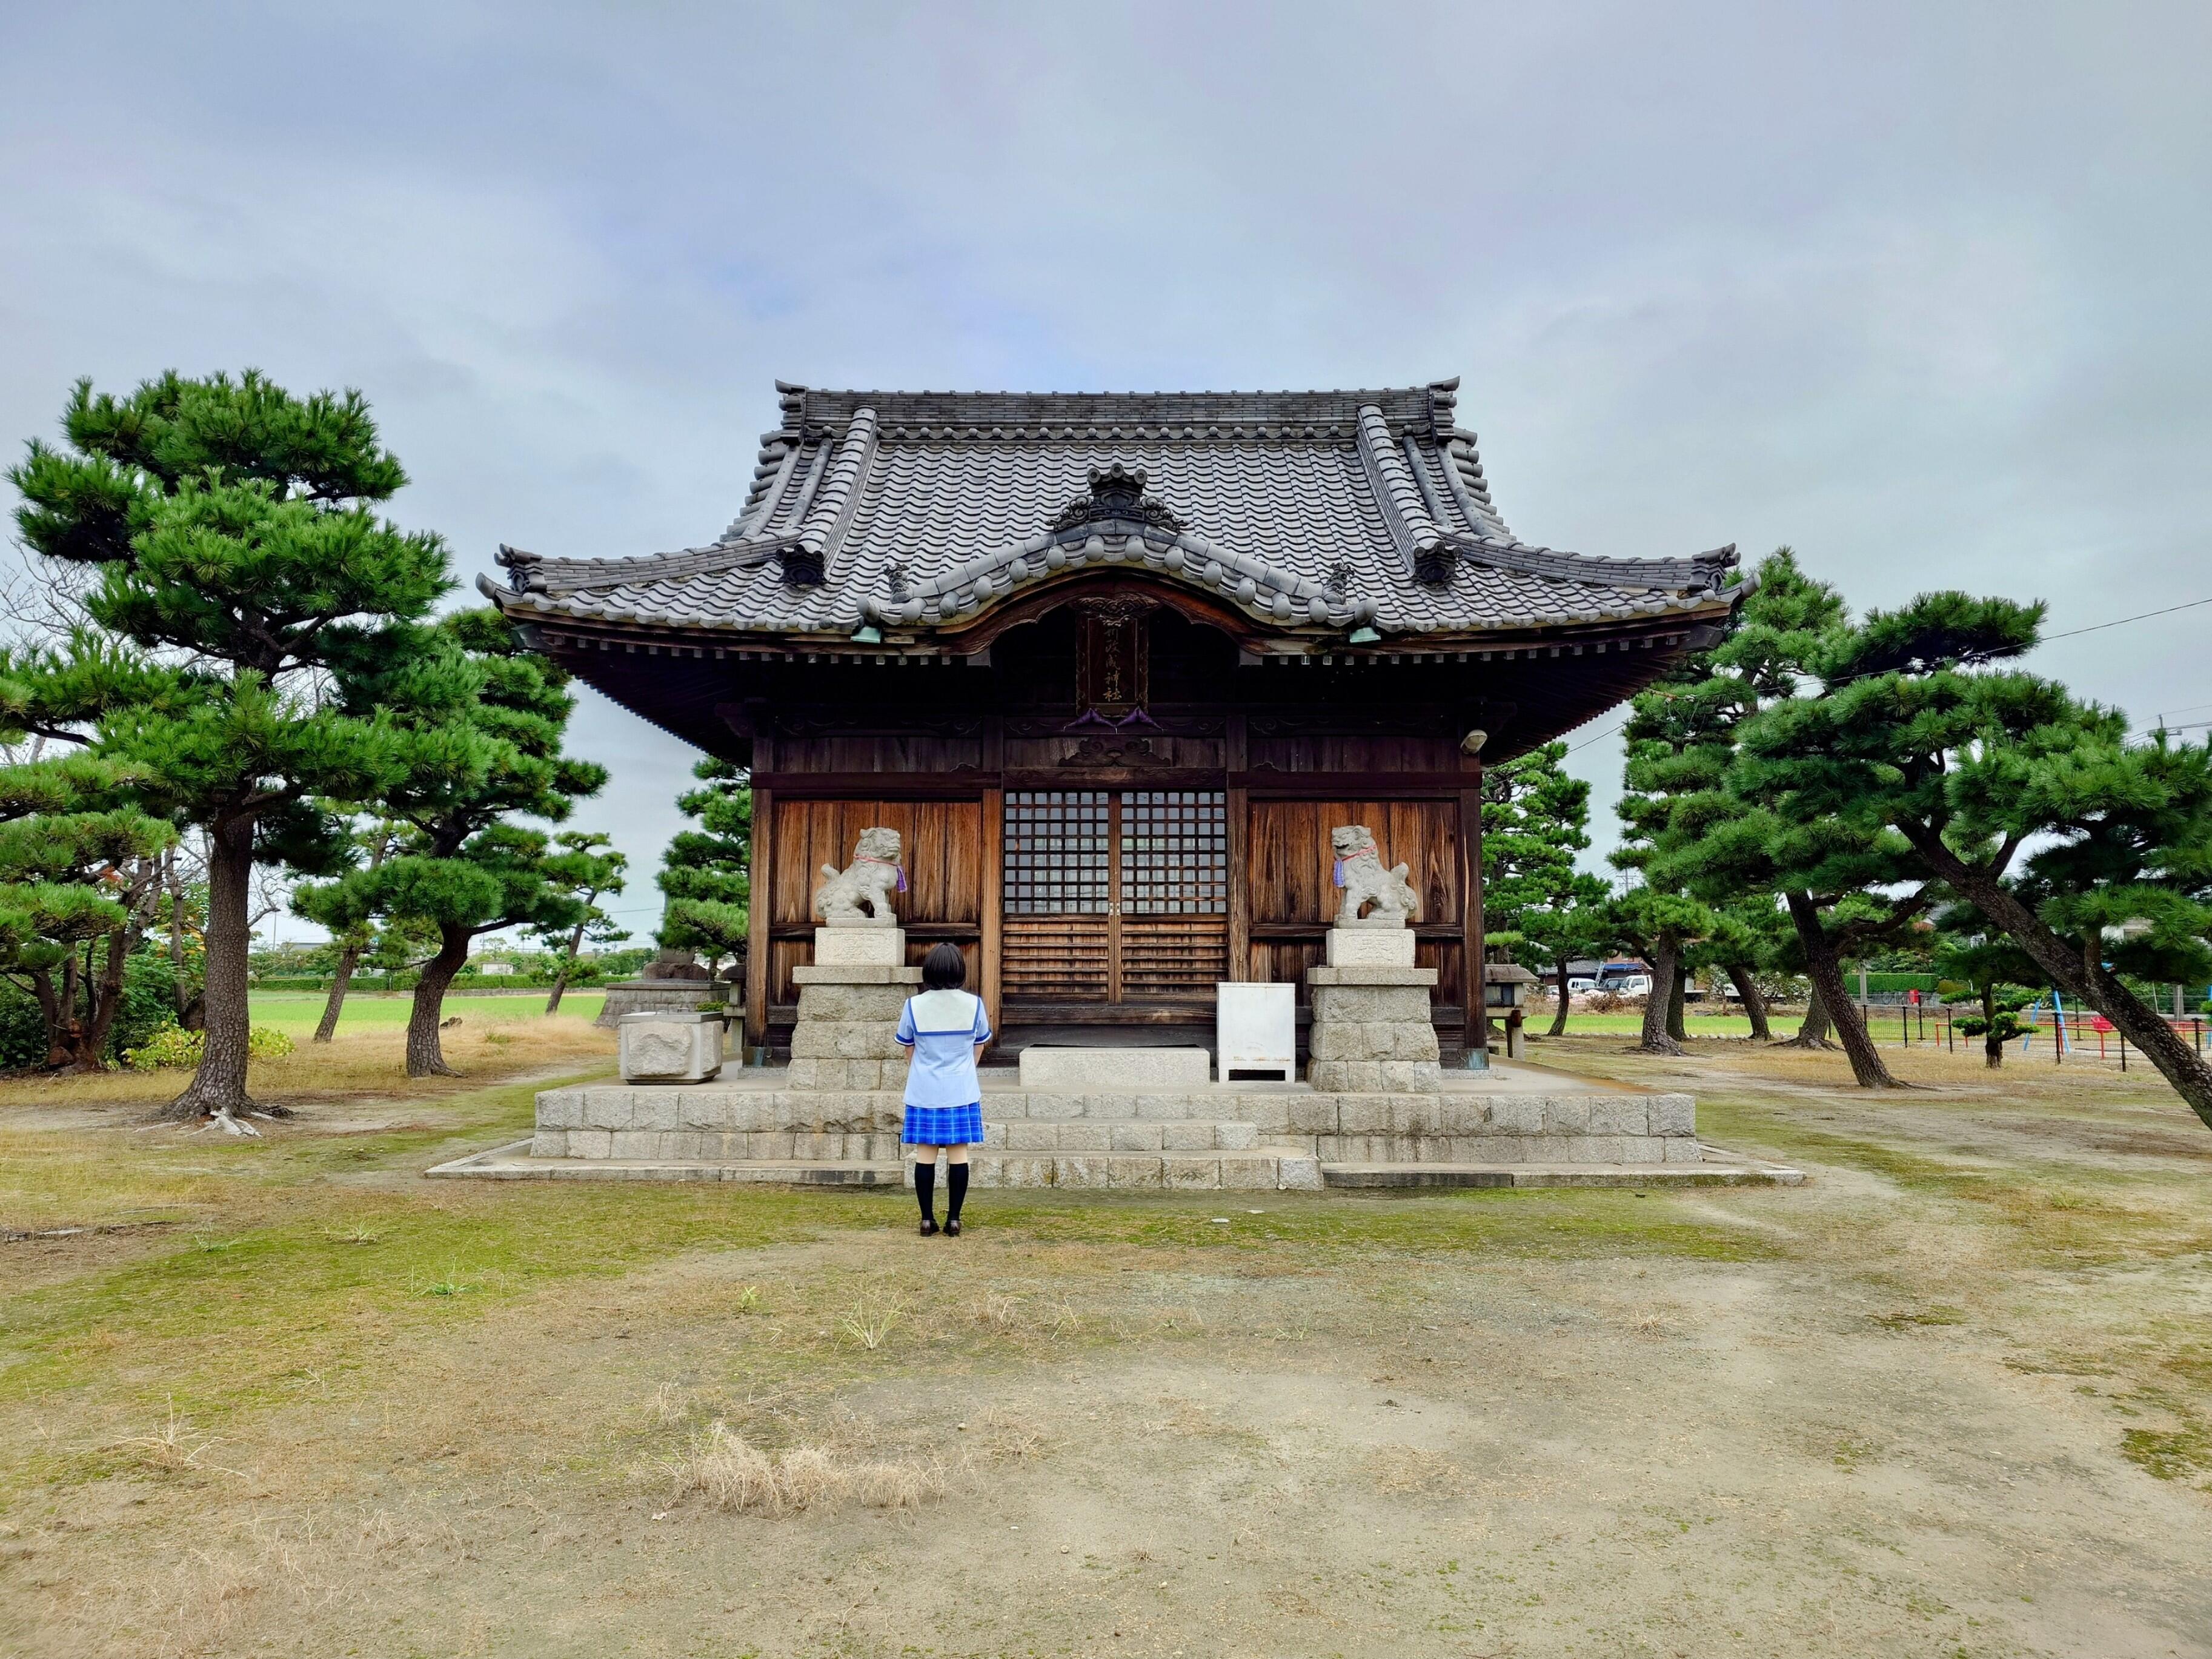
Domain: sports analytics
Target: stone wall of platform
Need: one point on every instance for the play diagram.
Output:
(707, 1122)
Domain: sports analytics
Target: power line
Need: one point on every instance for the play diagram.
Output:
(2141, 616)
(2068, 634)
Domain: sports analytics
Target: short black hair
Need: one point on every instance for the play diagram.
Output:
(944, 968)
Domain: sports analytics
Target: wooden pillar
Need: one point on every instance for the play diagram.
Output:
(760, 913)
(758, 947)
(1239, 812)
(993, 896)
(1471, 937)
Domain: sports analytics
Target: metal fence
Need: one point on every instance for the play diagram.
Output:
(2074, 1037)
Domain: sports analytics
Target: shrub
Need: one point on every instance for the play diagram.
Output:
(174, 1046)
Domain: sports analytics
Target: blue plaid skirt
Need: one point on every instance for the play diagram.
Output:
(944, 1126)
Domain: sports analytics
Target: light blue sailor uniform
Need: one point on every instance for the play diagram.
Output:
(944, 1100)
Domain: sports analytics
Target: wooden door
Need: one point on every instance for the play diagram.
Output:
(1113, 899)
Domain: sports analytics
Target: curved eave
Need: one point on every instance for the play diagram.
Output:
(1268, 601)
(973, 632)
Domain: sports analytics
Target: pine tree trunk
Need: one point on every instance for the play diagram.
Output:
(106, 998)
(1559, 1014)
(1754, 1000)
(425, 1057)
(1657, 1040)
(568, 963)
(1992, 1044)
(1813, 1032)
(2077, 973)
(53, 1010)
(348, 959)
(220, 1083)
(1826, 970)
(1676, 996)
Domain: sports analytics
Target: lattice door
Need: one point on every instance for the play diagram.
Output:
(1115, 897)
(1174, 894)
(1056, 894)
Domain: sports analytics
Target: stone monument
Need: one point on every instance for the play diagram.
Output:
(1372, 1033)
(850, 995)
(673, 982)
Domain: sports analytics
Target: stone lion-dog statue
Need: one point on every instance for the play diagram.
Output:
(1360, 872)
(870, 880)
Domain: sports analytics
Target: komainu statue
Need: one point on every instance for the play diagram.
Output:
(1360, 872)
(869, 881)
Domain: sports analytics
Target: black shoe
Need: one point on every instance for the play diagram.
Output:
(929, 1226)
(953, 1227)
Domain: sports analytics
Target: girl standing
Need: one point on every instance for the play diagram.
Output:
(945, 1029)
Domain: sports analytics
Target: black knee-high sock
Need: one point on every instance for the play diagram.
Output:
(957, 1192)
(924, 1185)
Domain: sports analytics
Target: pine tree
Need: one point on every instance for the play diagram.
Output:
(459, 865)
(80, 869)
(1996, 970)
(375, 841)
(707, 872)
(1744, 940)
(242, 576)
(1846, 890)
(592, 870)
(1914, 733)
(1581, 924)
(1535, 817)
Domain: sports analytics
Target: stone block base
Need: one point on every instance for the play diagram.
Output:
(847, 1013)
(1115, 1068)
(670, 1047)
(1372, 1031)
(874, 947)
(1369, 947)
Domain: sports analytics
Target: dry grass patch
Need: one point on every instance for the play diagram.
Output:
(728, 1473)
(367, 1061)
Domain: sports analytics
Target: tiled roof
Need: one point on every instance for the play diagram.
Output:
(1312, 512)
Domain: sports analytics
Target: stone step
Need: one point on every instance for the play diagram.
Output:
(1401, 1177)
(1254, 1171)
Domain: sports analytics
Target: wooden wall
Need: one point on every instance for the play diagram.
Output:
(1292, 895)
(945, 869)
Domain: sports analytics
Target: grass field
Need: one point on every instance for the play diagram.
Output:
(286, 1396)
(297, 1013)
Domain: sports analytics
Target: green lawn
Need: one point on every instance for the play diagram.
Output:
(297, 1012)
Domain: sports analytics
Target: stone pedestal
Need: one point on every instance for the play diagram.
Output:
(849, 1006)
(1105, 1069)
(1372, 1032)
(1369, 946)
(670, 1047)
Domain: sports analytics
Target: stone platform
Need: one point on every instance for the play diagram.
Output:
(1515, 1125)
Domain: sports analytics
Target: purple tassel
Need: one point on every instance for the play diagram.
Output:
(1339, 875)
(902, 875)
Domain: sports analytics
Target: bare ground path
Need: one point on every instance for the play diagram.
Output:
(1954, 1397)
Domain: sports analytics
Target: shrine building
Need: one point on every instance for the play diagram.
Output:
(1114, 664)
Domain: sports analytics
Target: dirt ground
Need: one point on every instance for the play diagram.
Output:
(1952, 1398)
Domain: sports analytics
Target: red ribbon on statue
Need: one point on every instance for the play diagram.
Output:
(863, 858)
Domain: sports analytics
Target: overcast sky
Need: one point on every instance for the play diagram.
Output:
(1920, 289)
